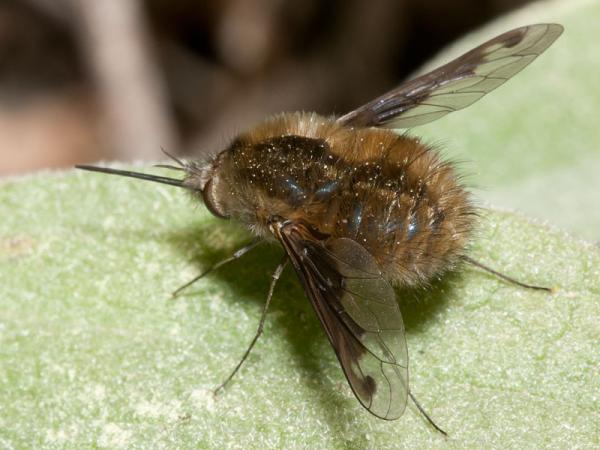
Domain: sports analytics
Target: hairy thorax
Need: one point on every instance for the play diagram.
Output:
(390, 193)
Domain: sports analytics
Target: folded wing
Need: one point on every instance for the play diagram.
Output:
(359, 312)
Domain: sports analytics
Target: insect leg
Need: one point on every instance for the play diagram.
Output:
(422, 411)
(505, 277)
(259, 331)
(239, 253)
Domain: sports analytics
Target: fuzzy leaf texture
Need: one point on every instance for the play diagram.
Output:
(95, 353)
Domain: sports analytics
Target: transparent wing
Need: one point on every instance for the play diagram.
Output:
(360, 314)
(457, 84)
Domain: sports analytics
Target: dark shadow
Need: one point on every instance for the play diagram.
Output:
(420, 305)
(290, 312)
(249, 278)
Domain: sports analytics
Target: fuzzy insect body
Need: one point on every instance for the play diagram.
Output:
(356, 207)
(390, 193)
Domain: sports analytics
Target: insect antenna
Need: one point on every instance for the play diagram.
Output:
(181, 165)
(174, 158)
(422, 411)
(169, 166)
(138, 175)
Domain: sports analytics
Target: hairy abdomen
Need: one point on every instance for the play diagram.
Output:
(389, 193)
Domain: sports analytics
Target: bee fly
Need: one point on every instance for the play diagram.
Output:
(358, 208)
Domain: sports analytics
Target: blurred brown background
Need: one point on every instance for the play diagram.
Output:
(84, 80)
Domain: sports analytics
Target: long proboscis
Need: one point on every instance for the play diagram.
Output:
(138, 175)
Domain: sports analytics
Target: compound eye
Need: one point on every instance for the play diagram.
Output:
(210, 197)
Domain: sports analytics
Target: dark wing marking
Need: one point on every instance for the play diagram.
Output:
(457, 84)
(360, 314)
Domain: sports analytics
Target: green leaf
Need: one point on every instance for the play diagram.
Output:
(95, 353)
